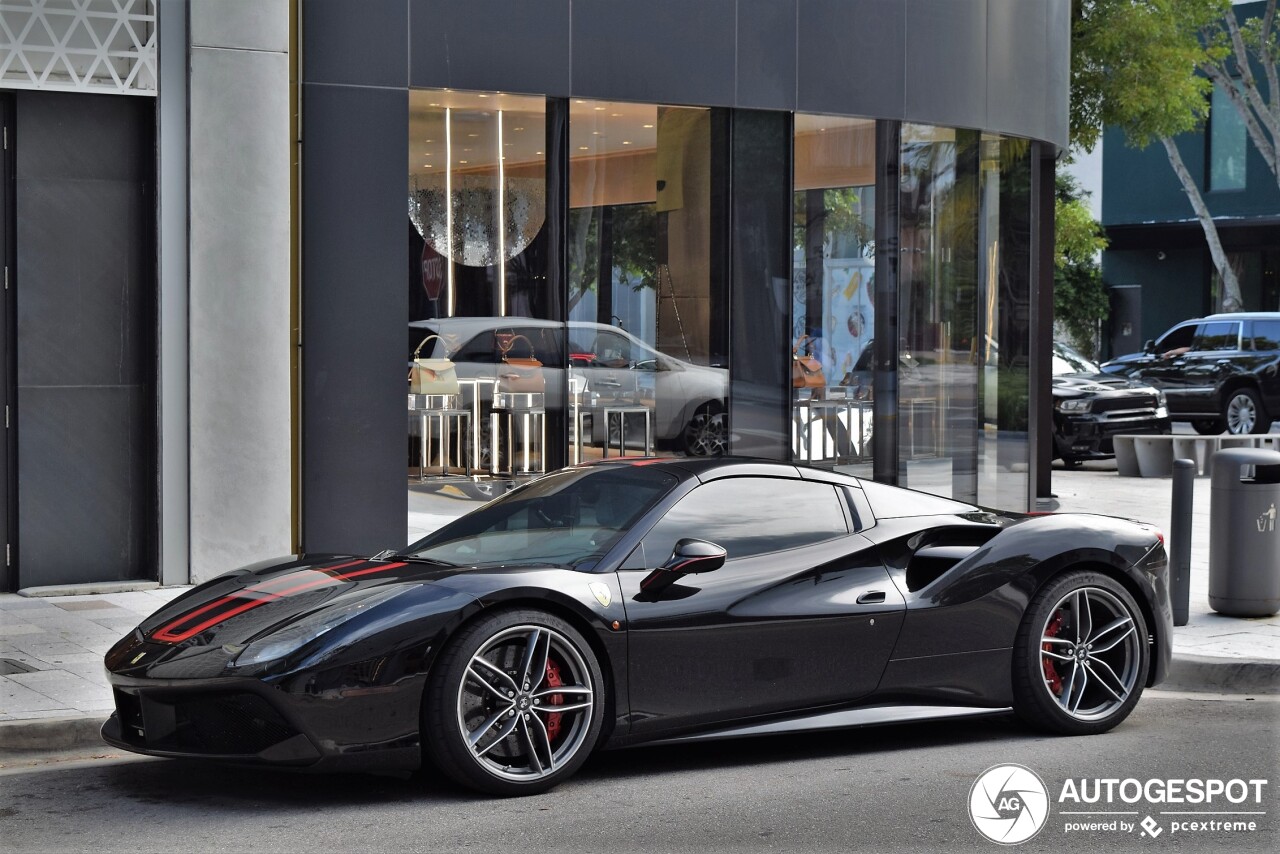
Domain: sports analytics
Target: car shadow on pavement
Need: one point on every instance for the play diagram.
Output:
(199, 787)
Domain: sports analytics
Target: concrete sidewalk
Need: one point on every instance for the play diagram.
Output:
(54, 694)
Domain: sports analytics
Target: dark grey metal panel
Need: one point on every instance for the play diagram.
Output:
(86, 322)
(767, 54)
(355, 308)
(663, 51)
(86, 485)
(1057, 60)
(1017, 74)
(945, 51)
(851, 57)
(363, 42)
(491, 45)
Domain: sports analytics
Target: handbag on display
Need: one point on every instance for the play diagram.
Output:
(806, 371)
(432, 376)
(519, 373)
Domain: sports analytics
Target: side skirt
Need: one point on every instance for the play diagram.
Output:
(865, 716)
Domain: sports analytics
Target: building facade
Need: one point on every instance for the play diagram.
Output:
(1158, 264)
(808, 230)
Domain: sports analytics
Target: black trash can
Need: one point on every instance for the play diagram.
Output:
(1244, 533)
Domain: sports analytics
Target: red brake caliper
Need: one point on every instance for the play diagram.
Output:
(553, 718)
(1051, 672)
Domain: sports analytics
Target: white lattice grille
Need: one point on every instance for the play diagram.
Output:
(82, 45)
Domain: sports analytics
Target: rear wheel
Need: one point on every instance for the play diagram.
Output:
(1243, 413)
(706, 434)
(1081, 656)
(515, 704)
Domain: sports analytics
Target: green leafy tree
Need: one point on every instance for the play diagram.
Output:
(1133, 66)
(1080, 299)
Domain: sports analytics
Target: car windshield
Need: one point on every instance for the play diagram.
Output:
(1067, 360)
(569, 518)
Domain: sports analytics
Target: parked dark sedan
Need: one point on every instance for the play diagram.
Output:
(1091, 407)
(1220, 372)
(640, 600)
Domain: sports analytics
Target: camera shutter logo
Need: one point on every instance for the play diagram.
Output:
(1008, 804)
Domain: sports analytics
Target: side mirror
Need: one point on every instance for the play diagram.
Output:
(689, 557)
(1149, 346)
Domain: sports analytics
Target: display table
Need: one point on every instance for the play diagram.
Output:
(428, 410)
(528, 409)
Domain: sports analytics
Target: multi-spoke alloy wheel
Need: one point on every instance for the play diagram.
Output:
(515, 704)
(1243, 413)
(1082, 656)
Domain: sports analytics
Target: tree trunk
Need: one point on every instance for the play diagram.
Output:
(1231, 300)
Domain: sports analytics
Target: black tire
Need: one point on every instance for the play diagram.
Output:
(521, 747)
(1066, 685)
(1208, 426)
(1242, 412)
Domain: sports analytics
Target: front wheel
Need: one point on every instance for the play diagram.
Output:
(1243, 413)
(515, 704)
(1081, 656)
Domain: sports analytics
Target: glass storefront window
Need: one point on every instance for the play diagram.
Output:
(486, 361)
(833, 246)
(1227, 145)
(964, 297)
(645, 356)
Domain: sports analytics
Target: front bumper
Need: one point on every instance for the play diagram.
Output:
(251, 722)
(1089, 436)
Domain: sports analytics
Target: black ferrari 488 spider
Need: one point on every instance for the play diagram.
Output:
(642, 600)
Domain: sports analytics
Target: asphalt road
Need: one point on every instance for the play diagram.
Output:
(901, 788)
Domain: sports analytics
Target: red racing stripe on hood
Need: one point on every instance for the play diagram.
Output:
(259, 594)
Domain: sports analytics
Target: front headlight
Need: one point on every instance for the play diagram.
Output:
(279, 643)
(1075, 404)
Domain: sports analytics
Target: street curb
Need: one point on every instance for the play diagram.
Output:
(52, 733)
(1202, 674)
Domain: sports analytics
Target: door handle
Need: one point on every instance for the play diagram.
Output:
(873, 597)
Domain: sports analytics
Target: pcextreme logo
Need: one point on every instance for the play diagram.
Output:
(1008, 804)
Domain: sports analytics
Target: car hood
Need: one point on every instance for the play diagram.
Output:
(245, 604)
(1097, 384)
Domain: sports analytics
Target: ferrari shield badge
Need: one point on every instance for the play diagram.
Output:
(601, 592)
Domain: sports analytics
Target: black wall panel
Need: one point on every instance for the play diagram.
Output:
(1017, 74)
(490, 45)
(767, 54)
(86, 318)
(945, 50)
(354, 311)
(760, 294)
(851, 58)
(664, 51)
(365, 43)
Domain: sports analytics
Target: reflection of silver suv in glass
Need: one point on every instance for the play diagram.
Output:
(604, 364)
(1220, 372)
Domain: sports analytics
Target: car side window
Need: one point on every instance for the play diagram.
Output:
(1178, 338)
(750, 516)
(1220, 335)
(1266, 335)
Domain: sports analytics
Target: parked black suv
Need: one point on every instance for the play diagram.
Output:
(1220, 372)
(1090, 408)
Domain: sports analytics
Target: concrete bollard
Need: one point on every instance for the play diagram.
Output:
(1184, 480)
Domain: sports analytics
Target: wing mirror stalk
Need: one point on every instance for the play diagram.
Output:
(689, 557)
